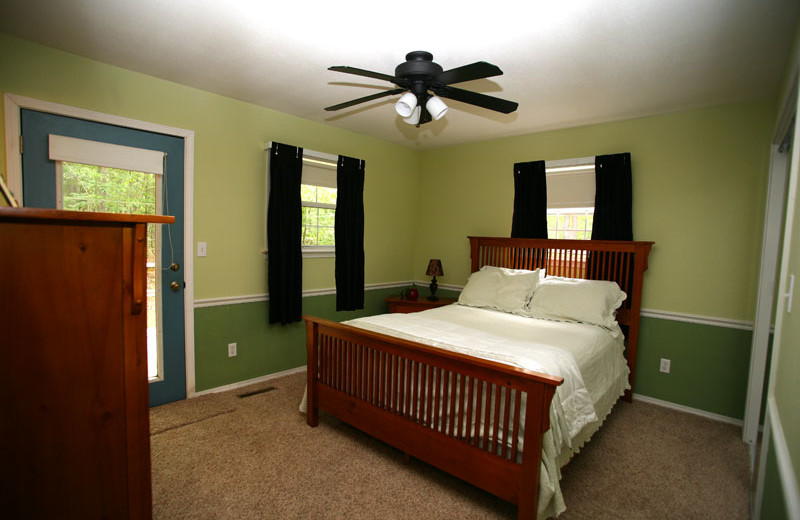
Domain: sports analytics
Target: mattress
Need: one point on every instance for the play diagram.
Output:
(589, 358)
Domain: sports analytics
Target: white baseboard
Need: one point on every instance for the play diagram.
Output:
(688, 409)
(240, 384)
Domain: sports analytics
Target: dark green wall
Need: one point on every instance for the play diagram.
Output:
(773, 505)
(264, 349)
(710, 365)
(709, 370)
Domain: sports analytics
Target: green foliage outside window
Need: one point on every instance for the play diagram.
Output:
(570, 224)
(319, 215)
(110, 190)
(92, 188)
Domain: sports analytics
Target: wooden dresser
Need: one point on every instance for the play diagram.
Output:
(74, 438)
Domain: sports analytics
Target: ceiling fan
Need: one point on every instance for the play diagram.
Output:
(418, 77)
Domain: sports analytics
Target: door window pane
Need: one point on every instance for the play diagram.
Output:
(85, 187)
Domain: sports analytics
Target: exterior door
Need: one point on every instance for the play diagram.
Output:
(51, 184)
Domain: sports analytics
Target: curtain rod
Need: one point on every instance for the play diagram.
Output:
(325, 158)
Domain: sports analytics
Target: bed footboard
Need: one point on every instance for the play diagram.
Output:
(467, 416)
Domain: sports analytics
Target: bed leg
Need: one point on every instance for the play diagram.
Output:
(312, 412)
(628, 397)
(525, 512)
(312, 417)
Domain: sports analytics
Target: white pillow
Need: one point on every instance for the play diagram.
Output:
(507, 290)
(572, 299)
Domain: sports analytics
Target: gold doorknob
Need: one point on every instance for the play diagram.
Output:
(174, 286)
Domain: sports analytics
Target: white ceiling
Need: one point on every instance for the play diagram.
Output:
(567, 63)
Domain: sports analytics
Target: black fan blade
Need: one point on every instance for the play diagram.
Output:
(477, 70)
(364, 99)
(365, 73)
(474, 98)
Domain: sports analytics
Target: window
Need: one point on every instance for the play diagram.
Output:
(318, 203)
(570, 223)
(318, 194)
(570, 210)
(319, 215)
(570, 198)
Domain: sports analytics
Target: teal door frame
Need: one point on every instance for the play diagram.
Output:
(14, 104)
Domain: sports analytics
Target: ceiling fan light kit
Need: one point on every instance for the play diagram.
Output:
(406, 104)
(413, 119)
(436, 107)
(424, 83)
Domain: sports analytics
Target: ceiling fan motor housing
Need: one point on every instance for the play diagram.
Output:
(418, 63)
(416, 70)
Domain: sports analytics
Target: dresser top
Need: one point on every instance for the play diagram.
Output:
(8, 213)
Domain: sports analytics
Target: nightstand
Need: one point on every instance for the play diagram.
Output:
(397, 304)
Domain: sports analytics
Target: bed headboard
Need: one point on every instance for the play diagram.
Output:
(620, 261)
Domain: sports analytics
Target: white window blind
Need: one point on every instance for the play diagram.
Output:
(82, 151)
(570, 185)
(317, 173)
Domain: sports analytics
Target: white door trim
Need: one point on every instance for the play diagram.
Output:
(14, 103)
(772, 419)
(773, 228)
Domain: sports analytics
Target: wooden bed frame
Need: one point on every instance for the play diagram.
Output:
(386, 386)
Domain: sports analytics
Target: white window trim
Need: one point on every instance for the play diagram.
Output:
(322, 159)
(319, 251)
(565, 164)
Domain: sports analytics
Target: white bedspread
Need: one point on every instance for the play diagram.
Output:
(588, 357)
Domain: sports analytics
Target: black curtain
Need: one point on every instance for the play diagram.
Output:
(349, 234)
(285, 271)
(613, 198)
(530, 201)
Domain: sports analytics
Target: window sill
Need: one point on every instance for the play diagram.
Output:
(319, 252)
(315, 252)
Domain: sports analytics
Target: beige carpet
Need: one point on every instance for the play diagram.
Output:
(220, 457)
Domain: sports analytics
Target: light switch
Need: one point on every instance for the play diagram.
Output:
(201, 249)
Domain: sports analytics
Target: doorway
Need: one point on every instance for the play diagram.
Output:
(91, 185)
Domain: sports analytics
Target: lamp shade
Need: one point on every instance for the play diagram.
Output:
(413, 119)
(436, 107)
(406, 104)
(435, 267)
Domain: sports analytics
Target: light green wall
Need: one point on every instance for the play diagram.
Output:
(699, 182)
(230, 162)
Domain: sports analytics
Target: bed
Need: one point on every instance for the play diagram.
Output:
(428, 384)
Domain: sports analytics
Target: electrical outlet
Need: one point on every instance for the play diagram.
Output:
(201, 249)
(665, 365)
(231, 349)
